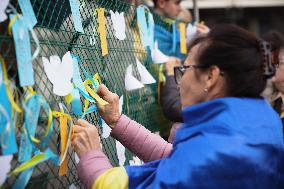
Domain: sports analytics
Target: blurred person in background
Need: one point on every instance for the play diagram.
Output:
(170, 97)
(276, 87)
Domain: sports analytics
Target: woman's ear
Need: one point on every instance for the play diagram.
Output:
(213, 75)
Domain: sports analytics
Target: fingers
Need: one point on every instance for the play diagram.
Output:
(107, 95)
(77, 129)
(203, 29)
(103, 91)
(178, 62)
(84, 139)
(83, 123)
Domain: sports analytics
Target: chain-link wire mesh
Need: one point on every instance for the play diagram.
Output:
(56, 33)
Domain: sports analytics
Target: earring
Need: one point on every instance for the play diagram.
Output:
(206, 90)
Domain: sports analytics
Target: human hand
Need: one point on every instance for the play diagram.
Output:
(202, 29)
(110, 112)
(169, 66)
(85, 138)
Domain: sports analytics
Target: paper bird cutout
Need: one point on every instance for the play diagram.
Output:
(146, 77)
(59, 73)
(106, 129)
(72, 186)
(157, 56)
(3, 5)
(5, 164)
(118, 23)
(120, 150)
(131, 83)
(135, 161)
(191, 32)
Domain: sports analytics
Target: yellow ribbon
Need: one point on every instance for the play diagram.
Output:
(32, 162)
(182, 31)
(14, 105)
(102, 30)
(162, 80)
(58, 114)
(86, 105)
(92, 92)
(69, 98)
(12, 22)
(63, 118)
(30, 92)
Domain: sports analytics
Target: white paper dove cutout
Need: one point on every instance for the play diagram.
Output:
(5, 164)
(191, 32)
(59, 73)
(158, 56)
(93, 40)
(118, 23)
(72, 186)
(146, 77)
(120, 150)
(120, 104)
(135, 161)
(106, 129)
(131, 83)
(3, 5)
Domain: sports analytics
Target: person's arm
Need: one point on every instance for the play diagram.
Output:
(94, 165)
(170, 96)
(146, 145)
(170, 100)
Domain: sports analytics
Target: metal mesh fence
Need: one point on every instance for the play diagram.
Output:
(56, 34)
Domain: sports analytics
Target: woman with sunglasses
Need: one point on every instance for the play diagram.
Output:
(231, 137)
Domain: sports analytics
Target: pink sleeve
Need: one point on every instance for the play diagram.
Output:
(91, 166)
(146, 145)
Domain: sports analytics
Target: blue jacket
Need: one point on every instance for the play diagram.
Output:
(224, 143)
(167, 35)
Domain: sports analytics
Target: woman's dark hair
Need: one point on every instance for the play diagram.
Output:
(275, 38)
(155, 3)
(239, 55)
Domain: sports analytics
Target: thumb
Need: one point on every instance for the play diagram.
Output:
(103, 91)
(83, 123)
(105, 94)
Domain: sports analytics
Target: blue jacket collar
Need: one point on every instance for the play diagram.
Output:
(209, 110)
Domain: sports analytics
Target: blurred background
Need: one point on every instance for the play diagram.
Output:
(258, 16)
